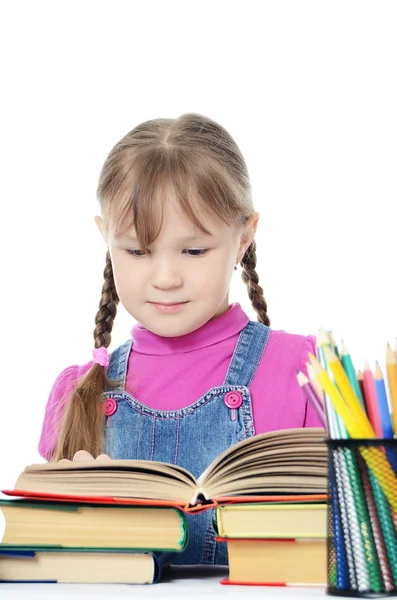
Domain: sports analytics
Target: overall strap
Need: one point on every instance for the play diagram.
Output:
(247, 354)
(118, 364)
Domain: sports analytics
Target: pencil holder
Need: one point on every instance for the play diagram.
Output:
(362, 518)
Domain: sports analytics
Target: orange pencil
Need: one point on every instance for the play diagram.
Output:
(371, 401)
(391, 366)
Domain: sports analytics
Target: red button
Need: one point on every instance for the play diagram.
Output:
(233, 399)
(110, 407)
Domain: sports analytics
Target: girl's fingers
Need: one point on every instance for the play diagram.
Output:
(82, 455)
(103, 457)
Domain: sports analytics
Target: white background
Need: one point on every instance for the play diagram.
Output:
(307, 89)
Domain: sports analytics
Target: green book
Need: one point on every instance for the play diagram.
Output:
(61, 525)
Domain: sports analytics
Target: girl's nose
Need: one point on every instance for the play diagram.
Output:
(166, 276)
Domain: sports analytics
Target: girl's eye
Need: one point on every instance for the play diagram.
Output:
(196, 251)
(136, 252)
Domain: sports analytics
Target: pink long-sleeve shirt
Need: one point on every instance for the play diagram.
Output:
(172, 373)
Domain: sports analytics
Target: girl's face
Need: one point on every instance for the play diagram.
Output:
(183, 281)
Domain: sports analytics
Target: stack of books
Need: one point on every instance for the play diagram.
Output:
(71, 542)
(277, 543)
(119, 520)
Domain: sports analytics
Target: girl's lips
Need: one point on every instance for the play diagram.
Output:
(168, 308)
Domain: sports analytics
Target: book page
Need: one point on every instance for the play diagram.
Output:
(269, 442)
(110, 478)
(283, 458)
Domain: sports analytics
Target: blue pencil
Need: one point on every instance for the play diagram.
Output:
(384, 414)
(381, 396)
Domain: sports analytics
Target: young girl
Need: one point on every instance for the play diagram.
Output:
(196, 376)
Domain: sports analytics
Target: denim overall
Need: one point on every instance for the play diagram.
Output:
(191, 437)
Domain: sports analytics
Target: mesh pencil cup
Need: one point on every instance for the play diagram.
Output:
(362, 518)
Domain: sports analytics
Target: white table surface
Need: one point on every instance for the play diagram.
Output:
(181, 582)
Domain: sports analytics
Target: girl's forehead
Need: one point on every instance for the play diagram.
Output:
(179, 227)
(169, 216)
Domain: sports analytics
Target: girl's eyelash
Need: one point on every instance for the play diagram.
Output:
(134, 251)
(201, 252)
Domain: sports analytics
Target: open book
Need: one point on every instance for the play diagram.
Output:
(285, 462)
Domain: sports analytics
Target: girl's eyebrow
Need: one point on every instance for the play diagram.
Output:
(187, 238)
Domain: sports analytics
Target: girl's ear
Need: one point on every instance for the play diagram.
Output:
(99, 222)
(247, 236)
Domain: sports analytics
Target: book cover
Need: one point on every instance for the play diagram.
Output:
(272, 520)
(280, 561)
(94, 526)
(38, 565)
(186, 508)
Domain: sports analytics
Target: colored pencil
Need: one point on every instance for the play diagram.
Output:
(360, 550)
(374, 457)
(360, 519)
(350, 542)
(384, 416)
(347, 393)
(337, 540)
(360, 381)
(391, 366)
(376, 529)
(323, 336)
(343, 543)
(371, 401)
(314, 382)
(383, 472)
(311, 396)
(323, 340)
(381, 395)
(365, 493)
(333, 343)
(353, 427)
(376, 504)
(350, 371)
(386, 523)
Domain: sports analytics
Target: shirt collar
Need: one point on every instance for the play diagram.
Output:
(226, 325)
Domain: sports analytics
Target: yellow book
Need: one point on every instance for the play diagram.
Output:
(278, 562)
(279, 520)
(82, 567)
(93, 526)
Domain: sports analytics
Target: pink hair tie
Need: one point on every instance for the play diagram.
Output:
(100, 356)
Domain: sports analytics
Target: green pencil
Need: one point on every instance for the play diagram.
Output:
(351, 372)
(333, 343)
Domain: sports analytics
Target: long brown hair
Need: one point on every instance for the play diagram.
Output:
(200, 159)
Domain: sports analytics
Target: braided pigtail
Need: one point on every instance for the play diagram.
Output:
(251, 279)
(83, 420)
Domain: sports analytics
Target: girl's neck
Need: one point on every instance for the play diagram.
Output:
(214, 331)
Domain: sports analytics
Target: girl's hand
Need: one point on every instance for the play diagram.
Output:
(83, 456)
